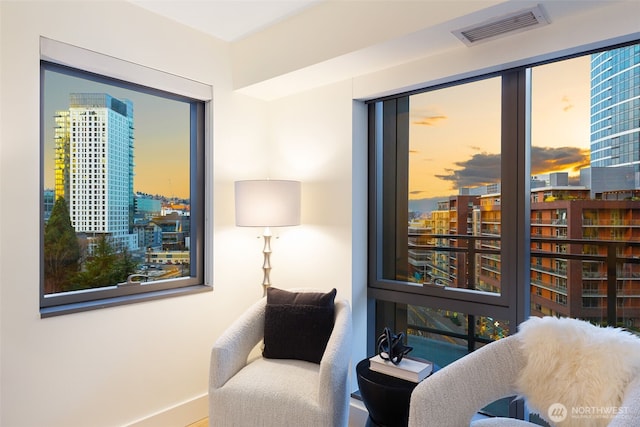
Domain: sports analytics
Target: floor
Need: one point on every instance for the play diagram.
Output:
(202, 423)
(357, 416)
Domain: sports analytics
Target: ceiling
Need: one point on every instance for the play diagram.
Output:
(227, 20)
(281, 47)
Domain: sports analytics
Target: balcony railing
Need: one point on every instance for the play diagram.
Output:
(587, 222)
(548, 221)
(614, 266)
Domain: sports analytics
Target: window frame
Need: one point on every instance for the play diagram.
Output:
(388, 300)
(514, 267)
(58, 56)
(515, 110)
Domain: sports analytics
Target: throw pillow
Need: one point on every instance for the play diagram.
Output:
(297, 325)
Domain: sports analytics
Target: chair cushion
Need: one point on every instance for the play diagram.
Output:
(297, 325)
(272, 392)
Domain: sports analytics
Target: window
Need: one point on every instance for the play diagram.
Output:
(438, 203)
(123, 179)
(581, 145)
(562, 206)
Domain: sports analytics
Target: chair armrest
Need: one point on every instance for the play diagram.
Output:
(451, 396)
(231, 350)
(629, 411)
(334, 366)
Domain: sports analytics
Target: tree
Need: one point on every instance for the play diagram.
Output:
(125, 265)
(61, 249)
(98, 270)
(105, 267)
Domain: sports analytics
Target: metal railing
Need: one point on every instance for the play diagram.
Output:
(610, 253)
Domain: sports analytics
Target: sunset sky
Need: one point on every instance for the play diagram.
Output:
(455, 132)
(161, 145)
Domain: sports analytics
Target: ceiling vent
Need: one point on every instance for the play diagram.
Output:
(513, 23)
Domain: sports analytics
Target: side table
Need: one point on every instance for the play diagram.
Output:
(385, 397)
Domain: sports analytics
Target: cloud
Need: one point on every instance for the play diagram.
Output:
(548, 159)
(480, 169)
(422, 159)
(431, 120)
(568, 105)
(484, 168)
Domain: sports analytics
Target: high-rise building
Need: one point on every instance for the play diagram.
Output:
(61, 188)
(572, 236)
(585, 239)
(94, 166)
(615, 109)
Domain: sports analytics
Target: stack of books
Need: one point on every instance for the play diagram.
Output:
(408, 369)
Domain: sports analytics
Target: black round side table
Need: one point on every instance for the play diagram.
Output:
(385, 397)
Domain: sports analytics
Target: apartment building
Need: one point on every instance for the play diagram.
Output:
(94, 166)
(566, 223)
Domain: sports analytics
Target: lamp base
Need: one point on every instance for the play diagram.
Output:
(266, 265)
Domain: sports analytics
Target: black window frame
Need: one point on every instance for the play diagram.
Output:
(514, 145)
(387, 299)
(59, 57)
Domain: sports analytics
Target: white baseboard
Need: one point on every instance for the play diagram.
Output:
(193, 410)
(180, 415)
(358, 414)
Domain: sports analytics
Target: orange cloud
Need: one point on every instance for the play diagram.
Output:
(430, 120)
(568, 105)
(547, 159)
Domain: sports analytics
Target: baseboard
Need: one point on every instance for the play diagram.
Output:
(180, 415)
(193, 410)
(358, 414)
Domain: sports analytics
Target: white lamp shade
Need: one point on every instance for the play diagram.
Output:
(267, 203)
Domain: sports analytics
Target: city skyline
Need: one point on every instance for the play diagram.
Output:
(455, 132)
(161, 132)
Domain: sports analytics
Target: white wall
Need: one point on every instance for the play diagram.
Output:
(313, 139)
(118, 365)
(129, 364)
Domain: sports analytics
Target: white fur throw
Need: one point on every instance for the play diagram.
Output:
(578, 365)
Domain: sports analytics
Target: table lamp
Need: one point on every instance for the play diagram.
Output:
(267, 203)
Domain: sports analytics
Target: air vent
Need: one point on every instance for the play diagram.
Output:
(517, 22)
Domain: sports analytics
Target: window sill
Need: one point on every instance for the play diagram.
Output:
(121, 300)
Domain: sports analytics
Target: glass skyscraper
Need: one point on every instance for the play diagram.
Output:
(94, 165)
(615, 109)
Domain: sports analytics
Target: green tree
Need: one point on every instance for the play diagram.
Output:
(105, 267)
(125, 265)
(61, 249)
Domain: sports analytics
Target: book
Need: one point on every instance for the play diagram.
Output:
(408, 369)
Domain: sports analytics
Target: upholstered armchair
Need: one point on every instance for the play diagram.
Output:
(298, 384)
(568, 371)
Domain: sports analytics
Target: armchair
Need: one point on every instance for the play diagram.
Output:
(260, 391)
(570, 372)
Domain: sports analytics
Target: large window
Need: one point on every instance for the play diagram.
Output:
(442, 201)
(585, 188)
(505, 196)
(122, 182)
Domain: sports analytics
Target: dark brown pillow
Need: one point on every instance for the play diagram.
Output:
(298, 325)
